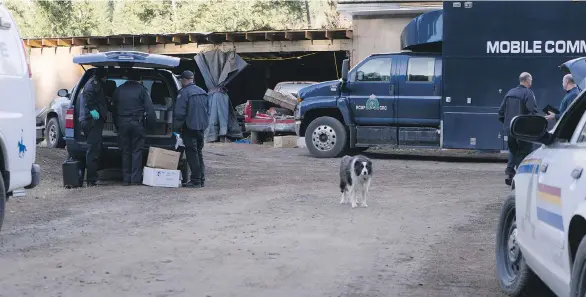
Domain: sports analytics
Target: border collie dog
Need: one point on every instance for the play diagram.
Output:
(355, 176)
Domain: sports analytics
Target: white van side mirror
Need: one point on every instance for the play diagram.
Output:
(63, 93)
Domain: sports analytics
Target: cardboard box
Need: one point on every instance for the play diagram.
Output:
(163, 159)
(155, 177)
(285, 141)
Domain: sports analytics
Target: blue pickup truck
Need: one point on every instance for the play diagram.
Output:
(444, 89)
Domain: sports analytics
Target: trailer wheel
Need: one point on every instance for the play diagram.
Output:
(326, 138)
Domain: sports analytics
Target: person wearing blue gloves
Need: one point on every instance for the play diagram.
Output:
(93, 113)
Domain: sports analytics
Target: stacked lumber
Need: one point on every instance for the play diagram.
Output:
(286, 101)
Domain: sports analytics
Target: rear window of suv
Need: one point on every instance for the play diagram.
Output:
(161, 96)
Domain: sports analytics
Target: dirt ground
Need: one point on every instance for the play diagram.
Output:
(268, 223)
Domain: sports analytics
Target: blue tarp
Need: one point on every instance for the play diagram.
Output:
(218, 69)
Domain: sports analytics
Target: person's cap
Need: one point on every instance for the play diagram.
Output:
(186, 74)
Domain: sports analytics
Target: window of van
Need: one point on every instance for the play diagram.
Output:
(11, 63)
(420, 69)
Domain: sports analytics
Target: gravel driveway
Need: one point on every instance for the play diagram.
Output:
(268, 223)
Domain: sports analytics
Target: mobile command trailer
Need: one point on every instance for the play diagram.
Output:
(445, 89)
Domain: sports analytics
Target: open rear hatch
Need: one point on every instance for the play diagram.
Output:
(576, 67)
(127, 59)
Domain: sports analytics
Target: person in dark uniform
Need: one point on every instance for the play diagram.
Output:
(131, 100)
(192, 113)
(518, 101)
(94, 110)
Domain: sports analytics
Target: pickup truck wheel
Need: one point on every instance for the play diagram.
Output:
(578, 280)
(53, 134)
(326, 137)
(2, 200)
(515, 277)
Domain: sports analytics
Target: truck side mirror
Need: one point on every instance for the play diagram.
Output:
(63, 93)
(345, 69)
(531, 128)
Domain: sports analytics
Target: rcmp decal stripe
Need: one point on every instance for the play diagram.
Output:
(549, 206)
(529, 166)
(550, 218)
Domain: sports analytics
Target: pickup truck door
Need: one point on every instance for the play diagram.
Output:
(418, 102)
(370, 91)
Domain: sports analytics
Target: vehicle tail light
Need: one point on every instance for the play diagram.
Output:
(28, 64)
(247, 111)
(69, 119)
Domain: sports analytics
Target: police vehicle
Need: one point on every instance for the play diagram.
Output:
(541, 236)
(17, 115)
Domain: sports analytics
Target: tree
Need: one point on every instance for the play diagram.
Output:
(65, 18)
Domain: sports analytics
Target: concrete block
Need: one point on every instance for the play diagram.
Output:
(285, 141)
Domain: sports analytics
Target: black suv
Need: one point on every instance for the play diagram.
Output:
(155, 74)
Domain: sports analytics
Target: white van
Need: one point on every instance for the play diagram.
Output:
(17, 115)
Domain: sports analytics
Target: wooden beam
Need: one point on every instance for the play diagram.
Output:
(130, 40)
(194, 38)
(245, 47)
(330, 35)
(254, 36)
(230, 37)
(293, 35)
(349, 34)
(161, 39)
(180, 39)
(216, 38)
(148, 40)
(272, 36)
(309, 35)
(97, 41)
(34, 43)
(115, 40)
(49, 42)
(66, 42)
(79, 41)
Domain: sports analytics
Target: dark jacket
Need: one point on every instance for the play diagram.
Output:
(192, 109)
(568, 99)
(132, 100)
(517, 101)
(93, 98)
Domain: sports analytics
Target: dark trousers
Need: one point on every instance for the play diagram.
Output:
(131, 141)
(518, 150)
(193, 140)
(93, 133)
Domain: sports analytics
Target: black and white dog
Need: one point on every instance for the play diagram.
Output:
(355, 176)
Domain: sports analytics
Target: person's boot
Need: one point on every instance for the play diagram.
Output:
(191, 184)
(510, 174)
